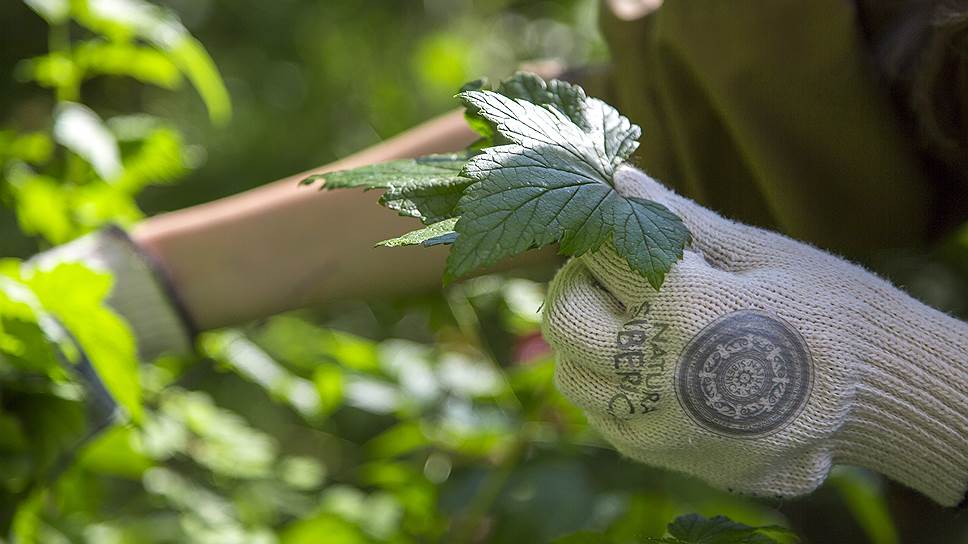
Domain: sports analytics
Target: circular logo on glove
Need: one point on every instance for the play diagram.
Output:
(747, 374)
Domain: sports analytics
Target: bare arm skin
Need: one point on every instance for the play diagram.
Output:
(280, 247)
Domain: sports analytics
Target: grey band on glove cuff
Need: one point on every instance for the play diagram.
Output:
(908, 419)
(142, 292)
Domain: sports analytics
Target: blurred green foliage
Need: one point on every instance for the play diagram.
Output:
(68, 364)
(426, 419)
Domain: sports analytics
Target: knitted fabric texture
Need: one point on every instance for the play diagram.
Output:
(881, 379)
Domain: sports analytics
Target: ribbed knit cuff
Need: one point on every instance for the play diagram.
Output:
(909, 419)
(142, 293)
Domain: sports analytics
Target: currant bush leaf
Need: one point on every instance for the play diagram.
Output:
(567, 98)
(435, 234)
(649, 236)
(553, 183)
(427, 188)
(431, 203)
(542, 173)
(696, 529)
(591, 114)
(432, 169)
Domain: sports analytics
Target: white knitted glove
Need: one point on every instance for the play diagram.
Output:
(761, 362)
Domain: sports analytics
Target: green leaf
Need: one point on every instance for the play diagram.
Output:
(122, 19)
(55, 70)
(696, 529)
(583, 537)
(480, 84)
(336, 529)
(32, 147)
(232, 448)
(432, 169)
(116, 452)
(23, 342)
(304, 345)
(159, 159)
(401, 439)
(429, 203)
(195, 62)
(79, 129)
(427, 188)
(98, 203)
(429, 170)
(97, 57)
(436, 234)
(567, 98)
(145, 64)
(553, 183)
(864, 496)
(250, 361)
(75, 295)
(329, 382)
(43, 208)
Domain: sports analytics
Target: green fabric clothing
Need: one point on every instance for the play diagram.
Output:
(772, 113)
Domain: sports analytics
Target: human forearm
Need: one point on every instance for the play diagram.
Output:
(281, 247)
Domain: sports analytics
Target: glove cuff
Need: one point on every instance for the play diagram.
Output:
(909, 419)
(142, 293)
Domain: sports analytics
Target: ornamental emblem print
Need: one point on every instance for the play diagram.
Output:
(747, 374)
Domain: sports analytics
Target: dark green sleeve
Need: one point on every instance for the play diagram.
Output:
(771, 114)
